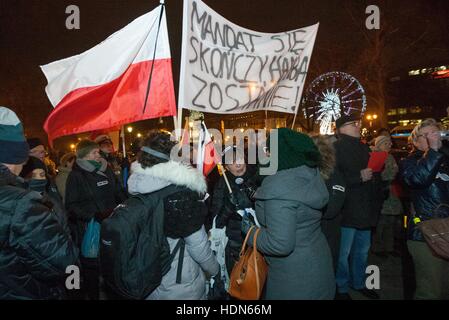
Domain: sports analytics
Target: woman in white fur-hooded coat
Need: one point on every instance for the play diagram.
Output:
(185, 212)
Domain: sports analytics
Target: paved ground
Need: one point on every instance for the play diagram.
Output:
(396, 275)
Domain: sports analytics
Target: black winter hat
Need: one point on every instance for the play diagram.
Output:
(34, 142)
(32, 163)
(345, 119)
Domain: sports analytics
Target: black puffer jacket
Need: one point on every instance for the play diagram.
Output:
(427, 176)
(91, 193)
(225, 211)
(35, 249)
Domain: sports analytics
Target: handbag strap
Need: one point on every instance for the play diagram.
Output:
(242, 251)
(255, 258)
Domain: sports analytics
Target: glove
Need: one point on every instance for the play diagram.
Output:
(240, 200)
(247, 223)
(217, 290)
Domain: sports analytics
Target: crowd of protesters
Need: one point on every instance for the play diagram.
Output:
(319, 216)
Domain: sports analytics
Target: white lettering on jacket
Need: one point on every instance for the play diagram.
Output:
(102, 183)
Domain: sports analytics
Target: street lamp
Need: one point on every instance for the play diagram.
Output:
(139, 135)
(72, 146)
(130, 129)
(371, 118)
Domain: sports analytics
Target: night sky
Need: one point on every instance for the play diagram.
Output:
(33, 32)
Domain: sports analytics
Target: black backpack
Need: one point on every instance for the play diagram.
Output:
(134, 252)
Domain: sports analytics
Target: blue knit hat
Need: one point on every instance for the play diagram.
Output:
(13, 146)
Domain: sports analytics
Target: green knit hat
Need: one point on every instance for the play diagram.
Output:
(84, 147)
(296, 149)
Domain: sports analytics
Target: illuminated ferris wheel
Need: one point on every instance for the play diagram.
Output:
(330, 96)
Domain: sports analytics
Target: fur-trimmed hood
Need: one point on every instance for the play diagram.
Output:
(164, 174)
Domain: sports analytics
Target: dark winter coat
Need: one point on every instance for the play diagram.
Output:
(288, 208)
(331, 220)
(35, 249)
(91, 193)
(362, 201)
(427, 176)
(226, 213)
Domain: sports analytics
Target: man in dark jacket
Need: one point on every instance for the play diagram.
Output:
(359, 213)
(426, 173)
(35, 249)
(92, 191)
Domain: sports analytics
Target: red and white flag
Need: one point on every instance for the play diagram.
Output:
(106, 85)
(207, 157)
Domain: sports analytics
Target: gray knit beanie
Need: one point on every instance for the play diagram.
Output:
(84, 147)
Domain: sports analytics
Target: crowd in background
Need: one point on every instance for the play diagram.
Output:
(319, 216)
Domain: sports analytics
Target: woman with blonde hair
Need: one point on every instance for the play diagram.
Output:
(426, 173)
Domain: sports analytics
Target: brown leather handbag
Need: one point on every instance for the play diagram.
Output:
(249, 273)
(436, 234)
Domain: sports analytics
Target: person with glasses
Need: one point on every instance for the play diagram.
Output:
(359, 212)
(426, 172)
(108, 153)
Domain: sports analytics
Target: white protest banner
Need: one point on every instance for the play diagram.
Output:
(229, 69)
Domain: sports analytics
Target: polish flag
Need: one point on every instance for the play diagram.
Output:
(106, 85)
(207, 156)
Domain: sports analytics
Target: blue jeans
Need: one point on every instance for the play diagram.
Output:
(352, 260)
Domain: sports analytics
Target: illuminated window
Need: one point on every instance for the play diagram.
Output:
(402, 110)
(415, 110)
(392, 112)
(392, 122)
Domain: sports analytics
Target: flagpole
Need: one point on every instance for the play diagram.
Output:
(175, 123)
(294, 119)
(225, 177)
(179, 122)
(162, 4)
(122, 134)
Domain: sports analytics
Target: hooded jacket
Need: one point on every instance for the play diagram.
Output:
(288, 208)
(35, 248)
(198, 257)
